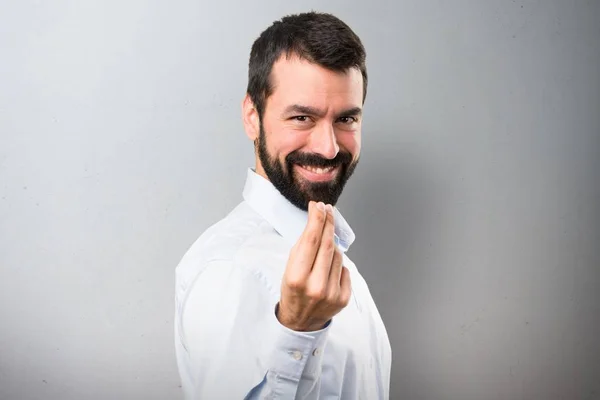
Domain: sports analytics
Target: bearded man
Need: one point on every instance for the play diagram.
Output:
(268, 304)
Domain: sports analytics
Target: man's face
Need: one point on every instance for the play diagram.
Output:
(309, 136)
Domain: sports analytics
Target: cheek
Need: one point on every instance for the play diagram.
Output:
(350, 143)
(282, 139)
(289, 142)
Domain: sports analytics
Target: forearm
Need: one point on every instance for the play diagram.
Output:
(283, 365)
(237, 348)
(294, 363)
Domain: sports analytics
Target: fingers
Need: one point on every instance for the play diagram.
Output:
(326, 249)
(335, 274)
(316, 285)
(322, 265)
(310, 240)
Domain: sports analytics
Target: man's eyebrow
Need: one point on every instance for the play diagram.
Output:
(351, 112)
(312, 111)
(304, 110)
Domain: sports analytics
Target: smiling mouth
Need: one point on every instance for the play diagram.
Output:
(317, 174)
(317, 170)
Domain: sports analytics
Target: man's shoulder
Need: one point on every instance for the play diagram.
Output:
(239, 233)
(222, 238)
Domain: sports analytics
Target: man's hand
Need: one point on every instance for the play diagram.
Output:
(315, 285)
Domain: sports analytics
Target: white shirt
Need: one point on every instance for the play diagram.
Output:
(229, 343)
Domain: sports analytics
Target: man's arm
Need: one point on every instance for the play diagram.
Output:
(235, 345)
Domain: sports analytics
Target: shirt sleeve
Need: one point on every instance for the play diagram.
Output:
(235, 348)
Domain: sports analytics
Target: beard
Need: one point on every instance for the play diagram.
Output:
(298, 190)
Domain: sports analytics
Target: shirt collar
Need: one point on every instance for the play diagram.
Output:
(287, 219)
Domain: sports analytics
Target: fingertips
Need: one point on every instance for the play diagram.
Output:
(317, 211)
(321, 206)
(314, 226)
(330, 219)
(329, 208)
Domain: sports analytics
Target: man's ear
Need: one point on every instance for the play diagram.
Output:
(250, 118)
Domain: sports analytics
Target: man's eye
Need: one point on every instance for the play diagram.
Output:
(301, 118)
(347, 120)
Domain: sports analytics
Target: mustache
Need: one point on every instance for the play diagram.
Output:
(317, 161)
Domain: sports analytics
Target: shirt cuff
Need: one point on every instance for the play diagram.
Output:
(296, 354)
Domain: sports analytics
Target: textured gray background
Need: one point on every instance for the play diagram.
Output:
(475, 204)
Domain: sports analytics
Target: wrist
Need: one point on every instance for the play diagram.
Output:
(299, 326)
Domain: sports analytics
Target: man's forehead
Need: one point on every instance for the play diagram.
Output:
(296, 78)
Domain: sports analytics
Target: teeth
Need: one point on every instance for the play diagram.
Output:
(318, 170)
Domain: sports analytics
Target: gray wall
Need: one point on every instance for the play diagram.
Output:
(475, 204)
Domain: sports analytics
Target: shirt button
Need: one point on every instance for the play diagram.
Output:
(316, 352)
(297, 355)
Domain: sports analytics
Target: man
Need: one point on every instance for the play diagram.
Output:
(268, 305)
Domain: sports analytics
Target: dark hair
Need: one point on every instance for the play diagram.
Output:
(319, 38)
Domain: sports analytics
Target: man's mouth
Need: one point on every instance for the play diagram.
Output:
(317, 174)
(317, 170)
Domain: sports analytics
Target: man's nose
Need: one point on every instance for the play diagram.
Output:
(324, 141)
